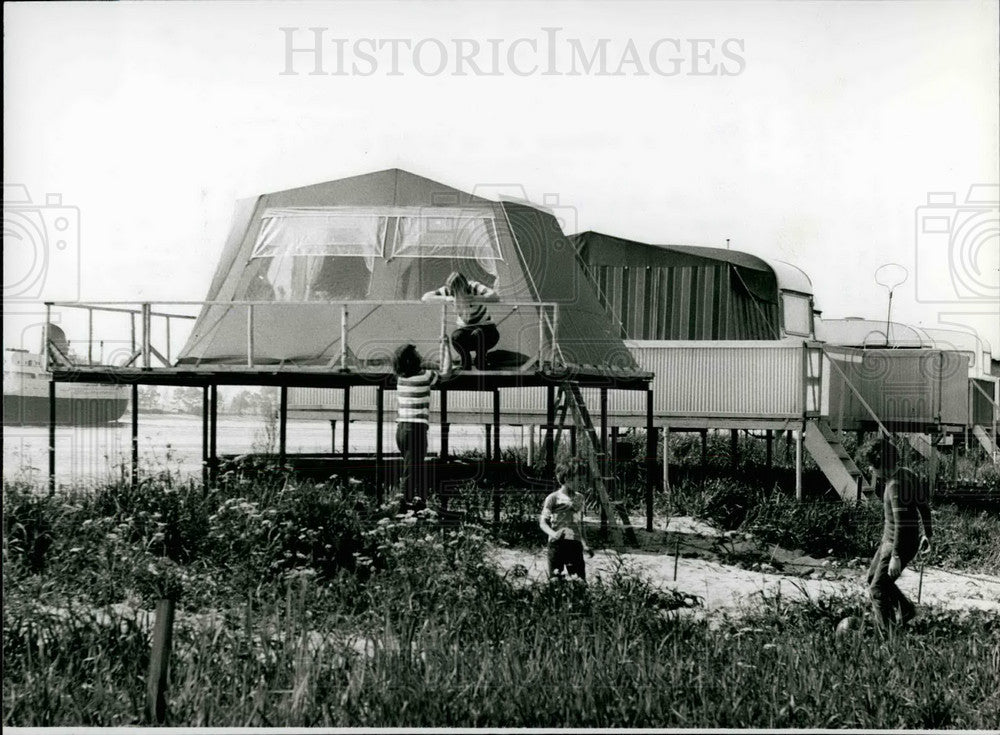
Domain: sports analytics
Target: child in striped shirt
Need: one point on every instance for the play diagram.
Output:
(413, 395)
(476, 332)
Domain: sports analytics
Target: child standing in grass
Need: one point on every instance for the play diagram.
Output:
(906, 508)
(562, 521)
(413, 395)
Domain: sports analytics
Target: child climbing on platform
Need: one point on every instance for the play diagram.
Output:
(476, 332)
(413, 396)
(562, 521)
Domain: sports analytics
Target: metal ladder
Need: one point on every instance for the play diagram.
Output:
(570, 401)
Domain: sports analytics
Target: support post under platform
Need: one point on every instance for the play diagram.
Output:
(213, 433)
(379, 450)
(52, 436)
(282, 424)
(135, 434)
(650, 460)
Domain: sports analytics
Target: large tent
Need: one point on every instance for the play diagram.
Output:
(677, 292)
(372, 245)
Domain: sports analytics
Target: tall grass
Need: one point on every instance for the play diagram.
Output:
(305, 604)
(441, 637)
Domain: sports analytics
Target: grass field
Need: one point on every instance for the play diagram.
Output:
(303, 604)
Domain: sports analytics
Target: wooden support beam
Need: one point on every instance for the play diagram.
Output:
(346, 449)
(496, 424)
(666, 467)
(204, 437)
(213, 433)
(282, 424)
(135, 434)
(444, 425)
(769, 449)
(604, 420)
(52, 436)
(159, 663)
(550, 419)
(650, 460)
(379, 448)
(488, 428)
(798, 464)
(612, 469)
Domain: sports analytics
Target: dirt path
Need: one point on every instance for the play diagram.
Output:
(727, 587)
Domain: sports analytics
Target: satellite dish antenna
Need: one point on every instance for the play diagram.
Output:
(890, 275)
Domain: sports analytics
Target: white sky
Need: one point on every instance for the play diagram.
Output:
(152, 119)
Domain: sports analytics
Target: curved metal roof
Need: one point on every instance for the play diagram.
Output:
(790, 277)
(858, 332)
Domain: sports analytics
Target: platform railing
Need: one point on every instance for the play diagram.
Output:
(143, 349)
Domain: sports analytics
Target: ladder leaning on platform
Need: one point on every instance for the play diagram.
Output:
(570, 400)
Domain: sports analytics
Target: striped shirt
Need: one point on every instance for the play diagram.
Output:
(470, 315)
(413, 395)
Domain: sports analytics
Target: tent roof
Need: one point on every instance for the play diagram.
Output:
(621, 251)
(603, 249)
(389, 187)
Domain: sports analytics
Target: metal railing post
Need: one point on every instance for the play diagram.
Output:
(146, 318)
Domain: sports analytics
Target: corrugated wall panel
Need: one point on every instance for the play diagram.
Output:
(744, 380)
(901, 386)
(712, 380)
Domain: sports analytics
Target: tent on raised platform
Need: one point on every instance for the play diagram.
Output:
(376, 243)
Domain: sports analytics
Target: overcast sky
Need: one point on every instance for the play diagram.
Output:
(808, 132)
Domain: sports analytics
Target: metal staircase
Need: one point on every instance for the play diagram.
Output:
(986, 440)
(828, 451)
(570, 401)
(924, 445)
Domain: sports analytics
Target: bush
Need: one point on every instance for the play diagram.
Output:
(817, 528)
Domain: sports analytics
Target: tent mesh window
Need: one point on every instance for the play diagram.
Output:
(329, 253)
(316, 254)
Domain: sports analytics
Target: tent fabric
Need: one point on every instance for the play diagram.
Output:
(380, 241)
(681, 292)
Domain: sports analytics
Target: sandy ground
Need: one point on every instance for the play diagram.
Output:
(725, 587)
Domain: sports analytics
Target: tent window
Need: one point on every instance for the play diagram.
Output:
(797, 310)
(315, 231)
(316, 253)
(465, 235)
